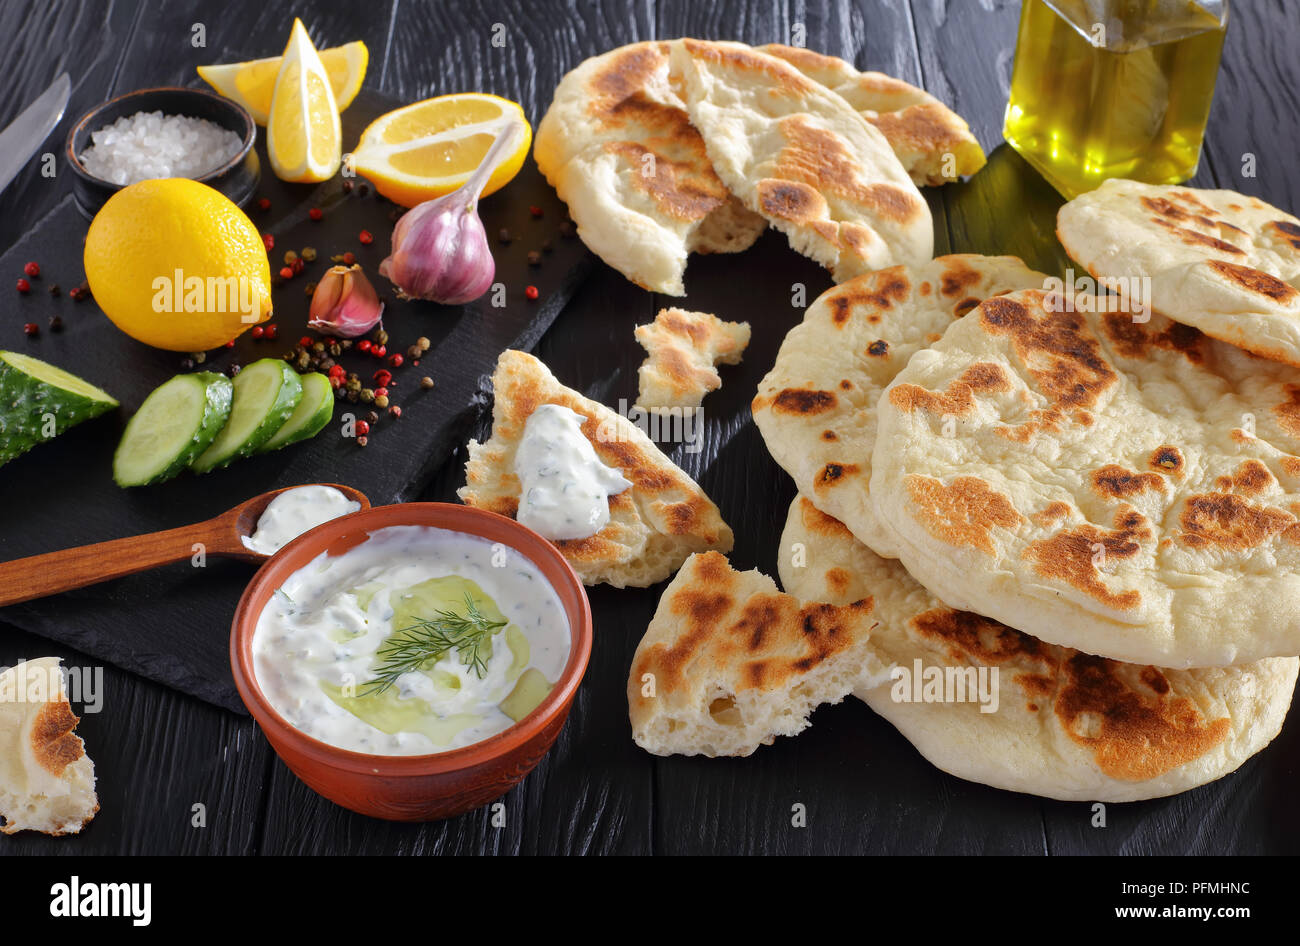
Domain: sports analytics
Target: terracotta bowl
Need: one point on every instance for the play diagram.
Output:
(424, 787)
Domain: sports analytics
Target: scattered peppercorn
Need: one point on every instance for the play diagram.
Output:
(372, 417)
(363, 189)
(394, 412)
(349, 258)
(426, 383)
(54, 290)
(381, 391)
(414, 352)
(334, 348)
(199, 357)
(290, 257)
(56, 324)
(503, 235)
(423, 342)
(396, 360)
(32, 269)
(258, 331)
(381, 400)
(286, 272)
(31, 330)
(264, 203)
(380, 336)
(367, 395)
(305, 341)
(362, 441)
(366, 237)
(378, 351)
(531, 292)
(362, 428)
(309, 289)
(382, 377)
(233, 369)
(24, 286)
(347, 187)
(187, 364)
(230, 344)
(567, 229)
(318, 346)
(308, 253)
(535, 210)
(298, 266)
(315, 213)
(363, 345)
(269, 241)
(271, 332)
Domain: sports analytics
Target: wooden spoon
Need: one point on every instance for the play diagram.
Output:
(39, 575)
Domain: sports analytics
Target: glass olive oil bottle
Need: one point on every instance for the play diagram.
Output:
(1114, 88)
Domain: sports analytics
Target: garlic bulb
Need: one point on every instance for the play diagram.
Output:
(344, 303)
(440, 249)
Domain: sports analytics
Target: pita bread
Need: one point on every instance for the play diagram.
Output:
(618, 147)
(729, 663)
(1128, 489)
(921, 129)
(47, 782)
(1067, 725)
(816, 408)
(797, 153)
(653, 526)
(684, 347)
(1219, 261)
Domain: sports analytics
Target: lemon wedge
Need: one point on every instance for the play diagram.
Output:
(252, 83)
(304, 138)
(430, 148)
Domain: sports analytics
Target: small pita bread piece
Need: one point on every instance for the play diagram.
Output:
(734, 663)
(47, 782)
(619, 149)
(1217, 260)
(684, 347)
(653, 526)
(921, 129)
(795, 152)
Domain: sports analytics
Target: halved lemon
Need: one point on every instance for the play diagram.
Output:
(252, 83)
(430, 148)
(304, 138)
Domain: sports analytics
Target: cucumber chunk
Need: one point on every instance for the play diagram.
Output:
(310, 417)
(39, 401)
(176, 423)
(265, 395)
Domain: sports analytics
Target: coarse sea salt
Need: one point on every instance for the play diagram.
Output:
(150, 145)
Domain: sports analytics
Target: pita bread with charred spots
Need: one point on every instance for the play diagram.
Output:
(1219, 261)
(684, 348)
(729, 663)
(1130, 489)
(618, 147)
(1067, 725)
(795, 152)
(47, 782)
(816, 408)
(934, 143)
(653, 526)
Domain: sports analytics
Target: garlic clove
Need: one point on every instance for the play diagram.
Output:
(345, 304)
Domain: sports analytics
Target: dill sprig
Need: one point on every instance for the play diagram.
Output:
(426, 641)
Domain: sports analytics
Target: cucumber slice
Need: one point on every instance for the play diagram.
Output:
(313, 413)
(39, 401)
(266, 392)
(176, 422)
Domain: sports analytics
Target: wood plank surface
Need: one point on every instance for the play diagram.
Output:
(862, 787)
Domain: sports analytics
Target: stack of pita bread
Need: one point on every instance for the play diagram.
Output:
(662, 149)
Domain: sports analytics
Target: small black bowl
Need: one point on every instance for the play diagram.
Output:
(237, 178)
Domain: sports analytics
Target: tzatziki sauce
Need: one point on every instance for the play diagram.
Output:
(325, 637)
(564, 487)
(294, 512)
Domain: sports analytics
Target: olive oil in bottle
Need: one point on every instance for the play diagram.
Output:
(1114, 88)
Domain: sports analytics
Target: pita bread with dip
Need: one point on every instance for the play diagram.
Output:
(816, 408)
(934, 143)
(1129, 489)
(618, 147)
(1022, 715)
(795, 152)
(653, 525)
(684, 348)
(47, 782)
(729, 662)
(1219, 261)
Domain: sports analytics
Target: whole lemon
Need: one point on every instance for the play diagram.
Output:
(177, 265)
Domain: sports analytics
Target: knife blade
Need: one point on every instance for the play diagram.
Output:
(27, 132)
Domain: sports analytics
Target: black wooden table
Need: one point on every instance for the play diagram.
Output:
(161, 755)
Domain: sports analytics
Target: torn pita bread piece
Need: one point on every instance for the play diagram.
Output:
(684, 348)
(1216, 260)
(1026, 716)
(619, 149)
(47, 782)
(653, 526)
(933, 142)
(795, 152)
(729, 662)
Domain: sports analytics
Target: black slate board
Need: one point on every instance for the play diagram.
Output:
(172, 624)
